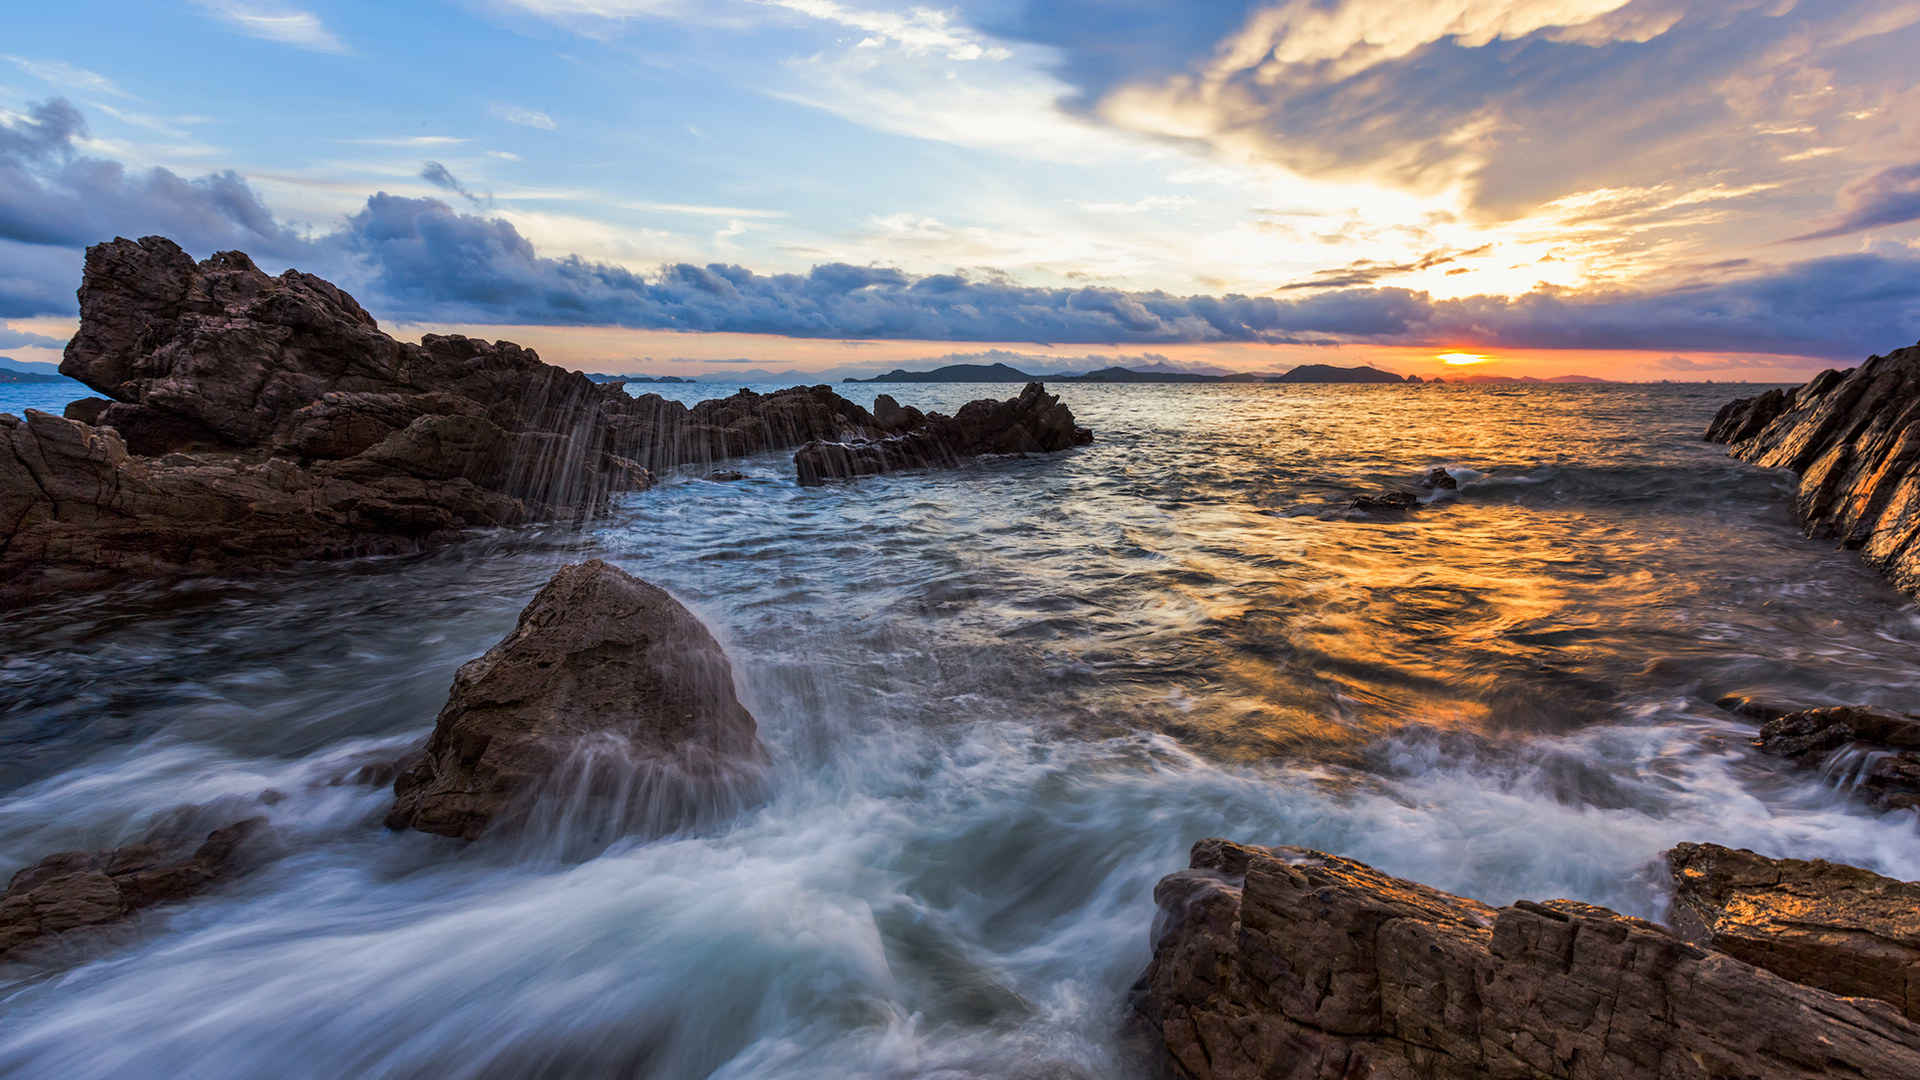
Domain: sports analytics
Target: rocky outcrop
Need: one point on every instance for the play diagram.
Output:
(78, 890)
(1845, 930)
(1283, 962)
(1033, 423)
(256, 419)
(608, 703)
(1854, 438)
(1871, 753)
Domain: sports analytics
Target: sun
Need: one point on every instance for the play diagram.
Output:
(1461, 359)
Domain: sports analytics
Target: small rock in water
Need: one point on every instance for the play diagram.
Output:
(1033, 423)
(609, 701)
(85, 889)
(1888, 745)
(1389, 502)
(1440, 480)
(726, 476)
(1840, 928)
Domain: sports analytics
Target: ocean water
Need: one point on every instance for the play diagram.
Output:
(1002, 702)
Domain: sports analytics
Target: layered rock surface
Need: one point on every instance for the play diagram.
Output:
(609, 701)
(80, 890)
(1033, 423)
(1854, 438)
(1840, 928)
(256, 419)
(1283, 962)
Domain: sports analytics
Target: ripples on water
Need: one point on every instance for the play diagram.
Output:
(1002, 701)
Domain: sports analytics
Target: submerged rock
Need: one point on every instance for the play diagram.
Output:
(608, 703)
(1840, 928)
(1875, 753)
(1439, 479)
(257, 420)
(77, 890)
(1854, 438)
(1033, 423)
(1283, 962)
(1384, 502)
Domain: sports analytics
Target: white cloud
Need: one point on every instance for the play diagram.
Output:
(271, 22)
(700, 210)
(68, 77)
(415, 141)
(533, 118)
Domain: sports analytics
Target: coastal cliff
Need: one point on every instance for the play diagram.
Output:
(1854, 439)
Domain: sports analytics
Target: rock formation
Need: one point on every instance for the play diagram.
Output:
(1854, 438)
(1033, 423)
(256, 419)
(1871, 753)
(77, 890)
(608, 701)
(1840, 928)
(1283, 962)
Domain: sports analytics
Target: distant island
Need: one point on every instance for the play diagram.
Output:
(11, 375)
(599, 377)
(1004, 373)
(1524, 379)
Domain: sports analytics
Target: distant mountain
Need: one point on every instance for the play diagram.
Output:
(1524, 379)
(14, 372)
(1327, 373)
(1002, 373)
(600, 378)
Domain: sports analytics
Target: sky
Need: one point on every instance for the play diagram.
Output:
(1684, 189)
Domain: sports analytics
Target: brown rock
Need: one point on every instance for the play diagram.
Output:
(1854, 438)
(83, 889)
(1033, 423)
(1875, 754)
(1282, 962)
(1840, 928)
(609, 698)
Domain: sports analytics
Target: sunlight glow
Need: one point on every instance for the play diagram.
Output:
(1460, 359)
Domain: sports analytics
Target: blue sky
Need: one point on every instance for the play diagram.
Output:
(1656, 188)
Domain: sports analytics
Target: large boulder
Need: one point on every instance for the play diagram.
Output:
(1035, 422)
(1854, 438)
(1840, 928)
(250, 420)
(86, 890)
(609, 704)
(1275, 963)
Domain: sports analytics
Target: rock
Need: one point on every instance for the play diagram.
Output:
(895, 418)
(1385, 502)
(1854, 439)
(1283, 962)
(608, 698)
(1439, 479)
(1033, 423)
(84, 889)
(259, 420)
(1754, 705)
(726, 476)
(1873, 753)
(1845, 930)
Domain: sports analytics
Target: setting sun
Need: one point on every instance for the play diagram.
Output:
(1460, 359)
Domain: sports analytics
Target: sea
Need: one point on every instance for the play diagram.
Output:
(1002, 702)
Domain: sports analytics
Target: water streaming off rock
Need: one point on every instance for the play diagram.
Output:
(1001, 701)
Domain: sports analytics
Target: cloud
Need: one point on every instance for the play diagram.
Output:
(52, 194)
(272, 22)
(441, 177)
(68, 77)
(1888, 197)
(20, 339)
(532, 118)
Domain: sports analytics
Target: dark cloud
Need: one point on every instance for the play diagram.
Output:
(442, 177)
(1369, 271)
(51, 194)
(1888, 197)
(16, 339)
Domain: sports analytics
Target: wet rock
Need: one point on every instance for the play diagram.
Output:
(1391, 502)
(1439, 479)
(1033, 423)
(608, 699)
(726, 476)
(1875, 754)
(1854, 439)
(1840, 928)
(1755, 705)
(1284, 962)
(895, 418)
(250, 420)
(77, 890)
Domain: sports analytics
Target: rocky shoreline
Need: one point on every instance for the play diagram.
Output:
(252, 421)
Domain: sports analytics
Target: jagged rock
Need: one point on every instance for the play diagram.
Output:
(895, 418)
(1883, 749)
(82, 889)
(258, 420)
(1854, 438)
(1033, 423)
(607, 691)
(1439, 479)
(1840, 928)
(1385, 502)
(1282, 962)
